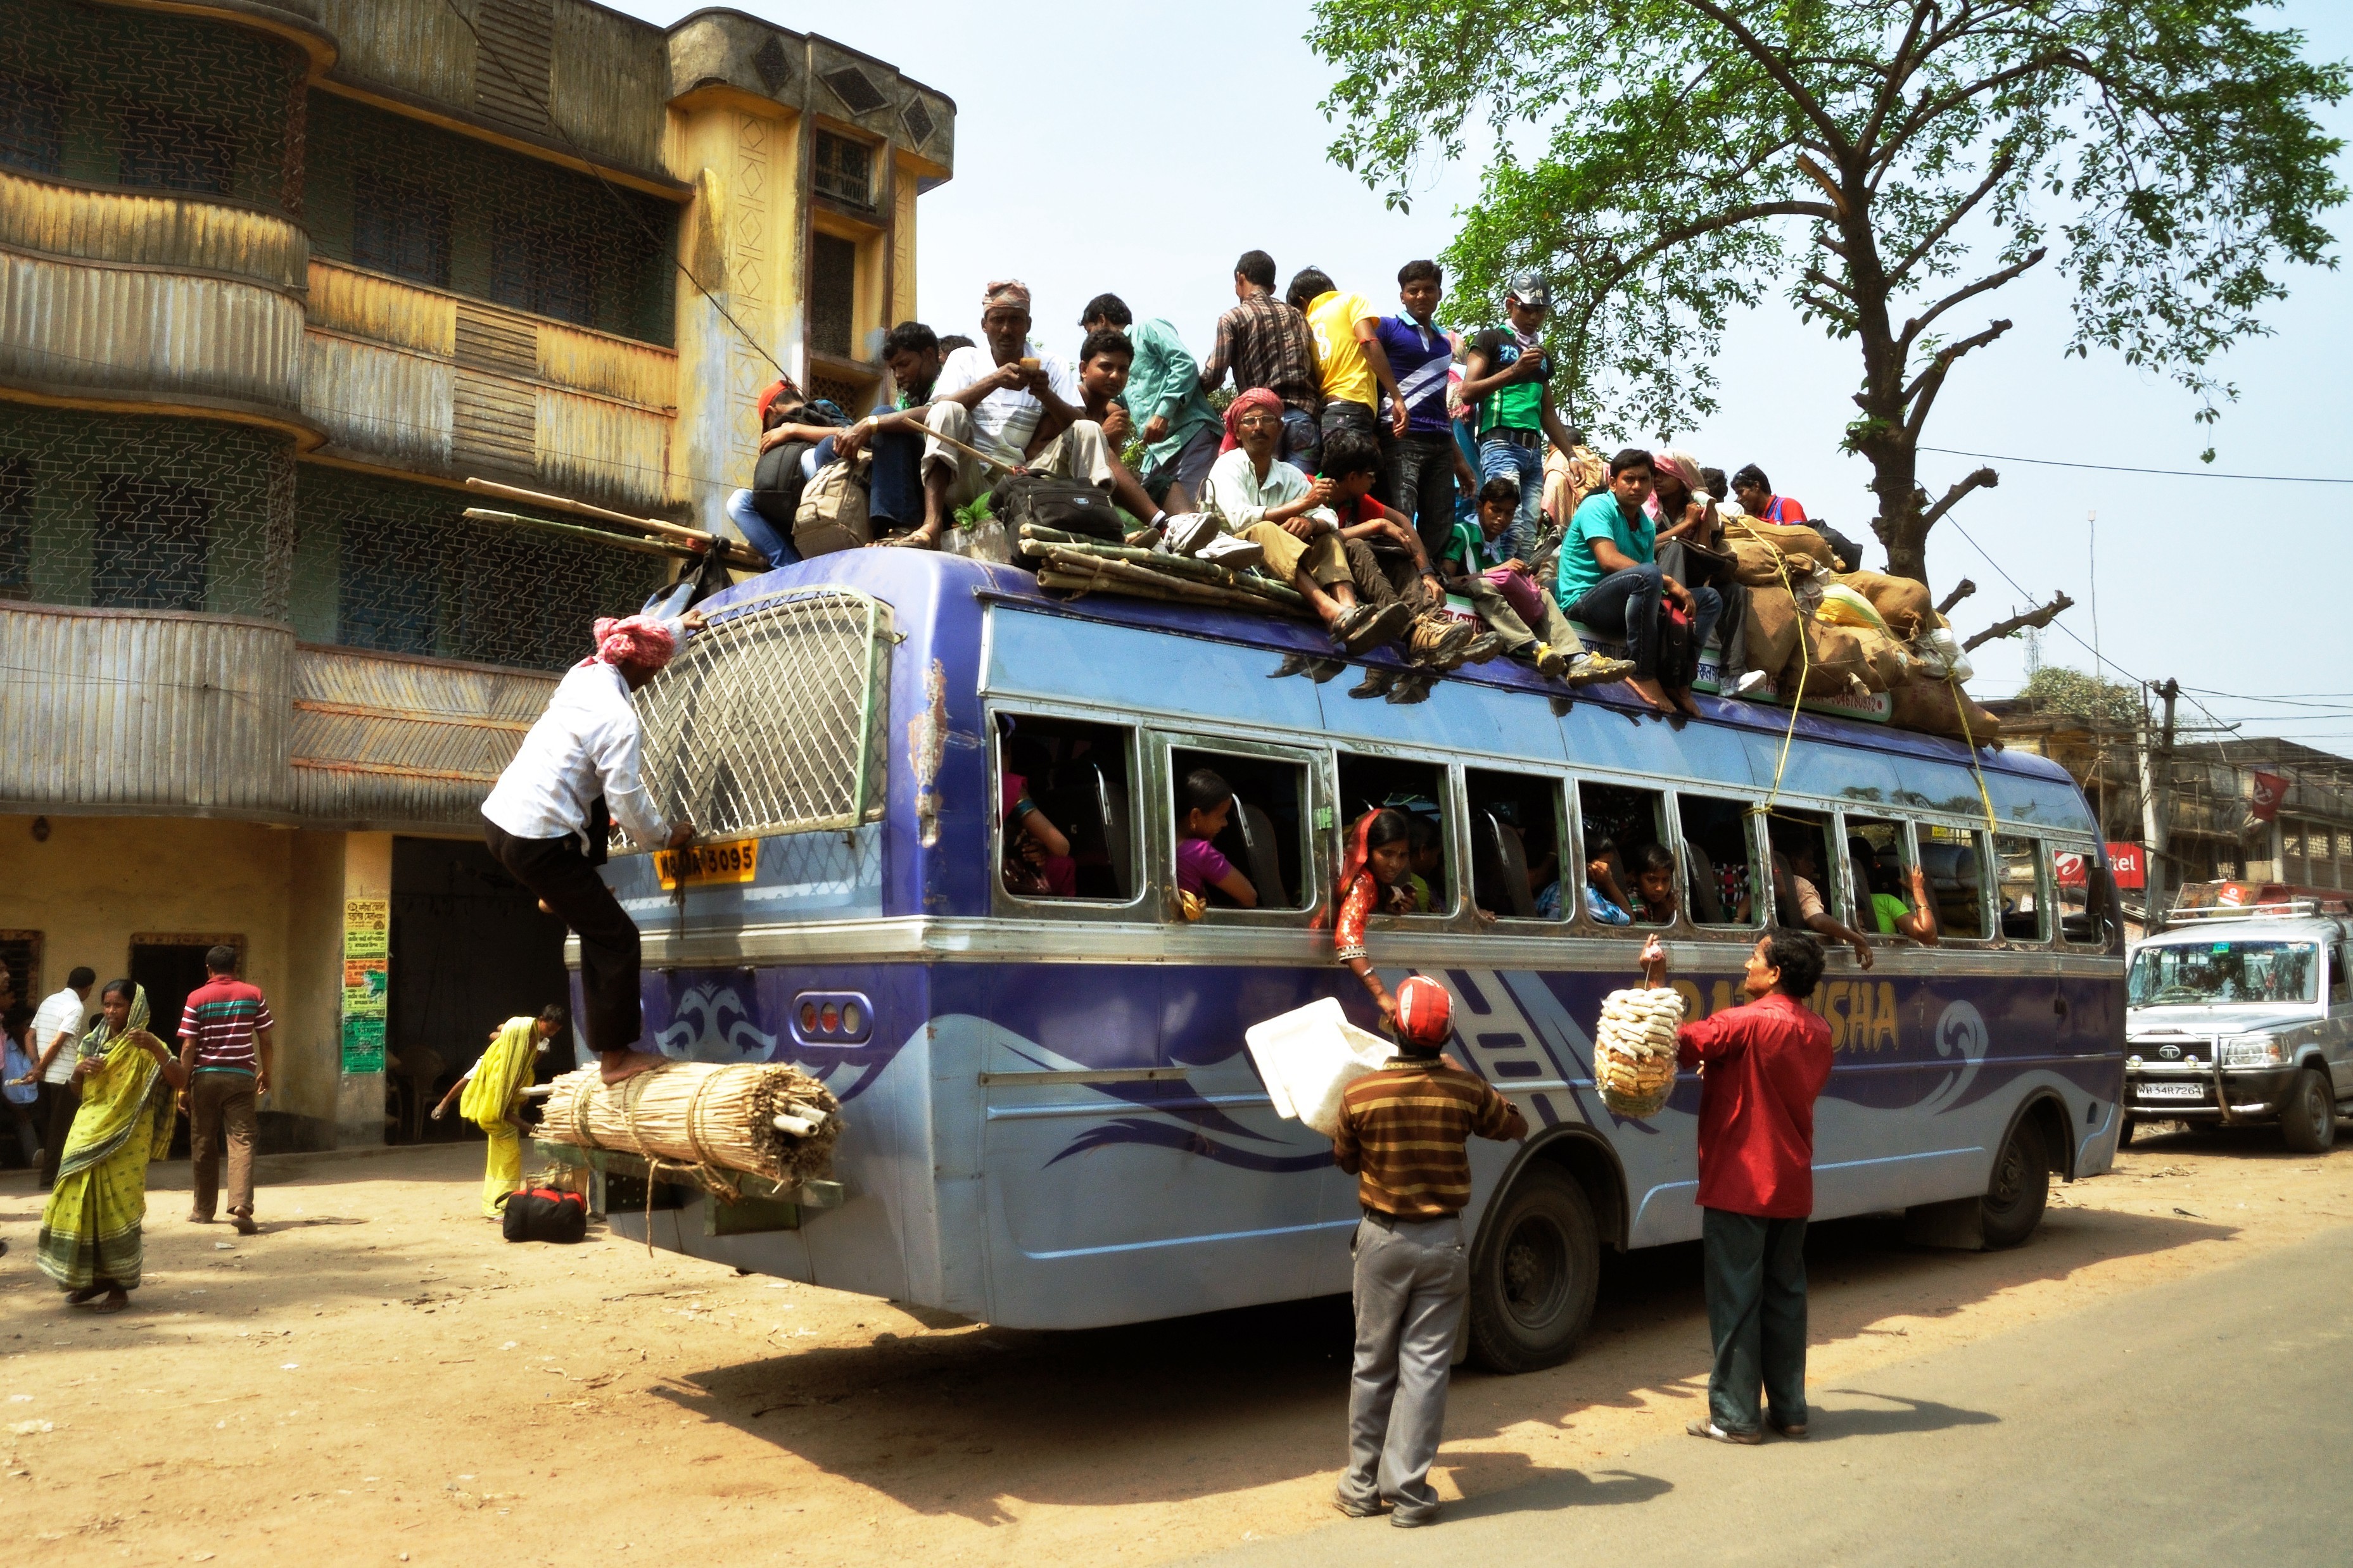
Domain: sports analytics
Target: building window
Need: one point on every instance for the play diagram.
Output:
(400, 226)
(32, 125)
(15, 527)
(833, 294)
(844, 170)
(152, 537)
(388, 590)
(163, 149)
(535, 267)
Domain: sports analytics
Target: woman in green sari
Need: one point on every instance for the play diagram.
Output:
(89, 1241)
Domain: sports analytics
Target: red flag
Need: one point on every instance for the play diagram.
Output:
(2270, 790)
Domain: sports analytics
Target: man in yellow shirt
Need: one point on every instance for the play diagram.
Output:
(1351, 366)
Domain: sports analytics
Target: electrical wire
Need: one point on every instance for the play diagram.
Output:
(2121, 469)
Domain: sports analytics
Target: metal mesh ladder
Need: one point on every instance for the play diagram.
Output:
(772, 719)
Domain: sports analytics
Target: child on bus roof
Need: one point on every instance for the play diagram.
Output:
(1208, 804)
(1509, 602)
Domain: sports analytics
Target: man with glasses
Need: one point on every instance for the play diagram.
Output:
(1506, 389)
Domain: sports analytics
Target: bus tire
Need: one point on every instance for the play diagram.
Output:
(2309, 1120)
(1535, 1273)
(2125, 1138)
(2012, 1205)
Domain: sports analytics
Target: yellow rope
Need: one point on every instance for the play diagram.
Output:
(1961, 707)
(1805, 670)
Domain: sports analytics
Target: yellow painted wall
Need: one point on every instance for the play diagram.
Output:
(98, 879)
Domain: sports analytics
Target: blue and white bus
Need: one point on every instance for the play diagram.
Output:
(1052, 1117)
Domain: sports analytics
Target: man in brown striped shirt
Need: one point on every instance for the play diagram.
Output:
(1402, 1131)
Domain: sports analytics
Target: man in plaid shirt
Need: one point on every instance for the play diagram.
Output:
(225, 1047)
(1266, 342)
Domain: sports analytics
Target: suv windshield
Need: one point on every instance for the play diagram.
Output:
(2224, 971)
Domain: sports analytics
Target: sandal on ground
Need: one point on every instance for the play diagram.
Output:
(1709, 1429)
(116, 1299)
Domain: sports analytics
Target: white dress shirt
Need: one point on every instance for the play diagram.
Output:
(1003, 422)
(61, 1013)
(1238, 496)
(587, 743)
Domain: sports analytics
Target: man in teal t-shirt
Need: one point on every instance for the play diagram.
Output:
(1609, 577)
(1179, 431)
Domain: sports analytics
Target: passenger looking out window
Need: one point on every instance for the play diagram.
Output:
(1427, 860)
(1263, 836)
(1208, 805)
(1416, 790)
(1372, 882)
(1798, 882)
(1883, 878)
(1652, 867)
(1037, 863)
(1605, 892)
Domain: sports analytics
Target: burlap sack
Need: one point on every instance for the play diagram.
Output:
(1885, 666)
(1772, 627)
(1928, 706)
(1902, 603)
(1792, 540)
(1834, 662)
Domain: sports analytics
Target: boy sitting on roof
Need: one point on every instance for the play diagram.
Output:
(1277, 508)
(1386, 557)
(1507, 599)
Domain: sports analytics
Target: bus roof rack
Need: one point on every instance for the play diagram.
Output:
(2284, 910)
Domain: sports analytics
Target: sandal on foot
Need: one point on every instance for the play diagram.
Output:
(1709, 1429)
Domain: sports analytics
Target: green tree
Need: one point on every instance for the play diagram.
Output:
(1885, 163)
(2056, 689)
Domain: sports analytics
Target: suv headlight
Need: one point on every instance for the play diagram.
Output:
(2251, 1051)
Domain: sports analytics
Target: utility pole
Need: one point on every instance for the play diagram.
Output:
(2156, 807)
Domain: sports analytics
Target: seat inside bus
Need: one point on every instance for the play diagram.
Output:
(1515, 827)
(1618, 824)
(1077, 774)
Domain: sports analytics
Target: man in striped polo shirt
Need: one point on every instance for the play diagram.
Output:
(1402, 1131)
(225, 1047)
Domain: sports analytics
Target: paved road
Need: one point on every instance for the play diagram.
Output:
(2203, 1421)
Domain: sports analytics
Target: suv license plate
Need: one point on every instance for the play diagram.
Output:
(2172, 1090)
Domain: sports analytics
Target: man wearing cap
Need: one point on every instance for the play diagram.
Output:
(548, 818)
(1506, 388)
(1402, 1131)
(1018, 406)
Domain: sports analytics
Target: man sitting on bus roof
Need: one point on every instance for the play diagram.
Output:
(1009, 405)
(1277, 508)
(1610, 578)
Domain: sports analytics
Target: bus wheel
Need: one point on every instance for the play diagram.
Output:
(2013, 1203)
(1534, 1277)
(2309, 1120)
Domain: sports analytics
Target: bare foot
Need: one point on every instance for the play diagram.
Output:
(1682, 699)
(1651, 692)
(922, 538)
(116, 1299)
(615, 1066)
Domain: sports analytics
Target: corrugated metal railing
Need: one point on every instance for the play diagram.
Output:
(773, 721)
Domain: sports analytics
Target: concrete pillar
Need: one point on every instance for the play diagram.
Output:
(368, 899)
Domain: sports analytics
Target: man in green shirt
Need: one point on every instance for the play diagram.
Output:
(1610, 578)
(1506, 380)
(1179, 431)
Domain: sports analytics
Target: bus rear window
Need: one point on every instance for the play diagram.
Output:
(1262, 835)
(1516, 841)
(1065, 796)
(1956, 869)
(1418, 790)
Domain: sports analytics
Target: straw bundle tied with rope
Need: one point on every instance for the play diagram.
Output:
(765, 1120)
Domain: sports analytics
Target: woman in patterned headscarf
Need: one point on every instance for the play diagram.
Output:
(92, 1238)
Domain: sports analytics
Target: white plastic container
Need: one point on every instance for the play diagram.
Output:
(1309, 1058)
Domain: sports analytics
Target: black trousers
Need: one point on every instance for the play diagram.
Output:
(1756, 1271)
(556, 871)
(63, 1100)
(1422, 485)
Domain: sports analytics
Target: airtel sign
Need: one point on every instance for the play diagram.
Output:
(2129, 862)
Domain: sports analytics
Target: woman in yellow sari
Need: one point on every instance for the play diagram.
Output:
(491, 1088)
(89, 1241)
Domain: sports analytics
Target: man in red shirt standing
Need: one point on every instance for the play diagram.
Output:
(1762, 1066)
(225, 1049)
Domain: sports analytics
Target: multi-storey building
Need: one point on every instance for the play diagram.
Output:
(276, 278)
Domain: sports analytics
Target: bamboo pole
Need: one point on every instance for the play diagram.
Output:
(735, 555)
(1038, 542)
(613, 540)
(1121, 576)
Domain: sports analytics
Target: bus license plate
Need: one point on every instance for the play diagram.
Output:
(2172, 1091)
(706, 865)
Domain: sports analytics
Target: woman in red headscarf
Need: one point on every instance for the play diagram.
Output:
(552, 811)
(1372, 882)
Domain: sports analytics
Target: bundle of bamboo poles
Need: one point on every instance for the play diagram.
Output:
(1072, 562)
(766, 1120)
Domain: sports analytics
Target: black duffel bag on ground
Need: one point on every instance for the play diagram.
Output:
(544, 1214)
(1072, 506)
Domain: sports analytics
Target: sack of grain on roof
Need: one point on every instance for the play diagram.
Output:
(1771, 625)
(1634, 1050)
(1763, 550)
(1936, 708)
(760, 1119)
(1905, 604)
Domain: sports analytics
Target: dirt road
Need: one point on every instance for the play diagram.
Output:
(379, 1376)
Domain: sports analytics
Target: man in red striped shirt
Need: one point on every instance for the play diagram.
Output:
(1762, 1066)
(225, 1048)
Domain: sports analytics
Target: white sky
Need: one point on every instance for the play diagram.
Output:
(1140, 150)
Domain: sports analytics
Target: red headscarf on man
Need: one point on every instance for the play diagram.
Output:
(633, 643)
(1256, 398)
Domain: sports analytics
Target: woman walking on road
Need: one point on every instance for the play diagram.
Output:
(492, 1090)
(90, 1239)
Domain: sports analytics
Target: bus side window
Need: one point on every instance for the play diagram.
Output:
(2025, 917)
(1805, 863)
(2070, 892)
(1623, 852)
(1878, 855)
(1257, 830)
(1065, 800)
(1516, 843)
(1955, 866)
(1418, 790)
(1721, 878)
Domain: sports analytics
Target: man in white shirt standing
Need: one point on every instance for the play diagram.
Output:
(547, 819)
(1010, 399)
(56, 1027)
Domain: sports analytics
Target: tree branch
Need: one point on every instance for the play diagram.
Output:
(1991, 280)
(1776, 66)
(1922, 393)
(1983, 479)
(1962, 590)
(1994, 176)
(2041, 617)
(1813, 172)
